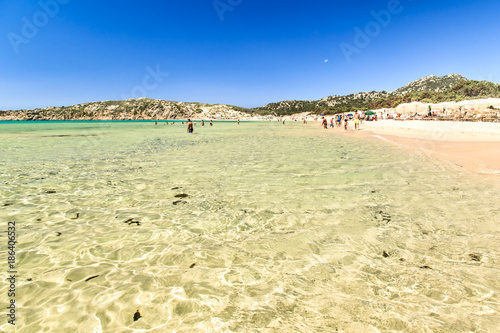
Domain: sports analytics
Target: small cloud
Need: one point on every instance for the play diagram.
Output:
(326, 60)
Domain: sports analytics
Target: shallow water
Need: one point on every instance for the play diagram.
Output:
(284, 229)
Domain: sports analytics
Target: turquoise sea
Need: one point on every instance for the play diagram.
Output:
(257, 227)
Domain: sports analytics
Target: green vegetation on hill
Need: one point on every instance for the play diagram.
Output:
(465, 89)
(132, 109)
(431, 89)
(453, 88)
(291, 107)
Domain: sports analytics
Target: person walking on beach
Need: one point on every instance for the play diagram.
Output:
(190, 126)
(356, 122)
(325, 123)
(346, 122)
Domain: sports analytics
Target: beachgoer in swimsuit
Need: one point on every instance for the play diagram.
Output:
(190, 126)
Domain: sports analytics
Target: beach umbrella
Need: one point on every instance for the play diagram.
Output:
(369, 113)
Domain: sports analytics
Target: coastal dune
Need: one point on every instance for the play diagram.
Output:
(476, 106)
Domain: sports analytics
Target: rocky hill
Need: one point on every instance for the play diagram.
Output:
(431, 89)
(132, 109)
(431, 83)
(363, 100)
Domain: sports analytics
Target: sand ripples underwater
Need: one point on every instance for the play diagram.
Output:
(251, 228)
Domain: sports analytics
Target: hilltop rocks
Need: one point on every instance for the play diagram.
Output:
(132, 109)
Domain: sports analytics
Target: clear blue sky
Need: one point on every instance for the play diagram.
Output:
(244, 52)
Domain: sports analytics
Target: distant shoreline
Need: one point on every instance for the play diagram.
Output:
(119, 121)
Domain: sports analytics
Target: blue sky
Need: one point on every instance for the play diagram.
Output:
(240, 52)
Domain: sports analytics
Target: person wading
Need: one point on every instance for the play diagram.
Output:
(190, 126)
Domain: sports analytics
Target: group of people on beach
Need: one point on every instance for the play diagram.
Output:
(336, 120)
(190, 126)
(343, 119)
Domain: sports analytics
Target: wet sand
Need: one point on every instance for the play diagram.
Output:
(474, 146)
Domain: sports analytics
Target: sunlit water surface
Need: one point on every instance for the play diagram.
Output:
(256, 227)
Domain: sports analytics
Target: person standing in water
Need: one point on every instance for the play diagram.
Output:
(190, 126)
(211, 124)
(202, 123)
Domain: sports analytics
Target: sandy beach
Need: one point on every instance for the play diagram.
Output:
(474, 146)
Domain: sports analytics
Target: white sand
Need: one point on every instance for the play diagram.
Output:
(473, 145)
(436, 130)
